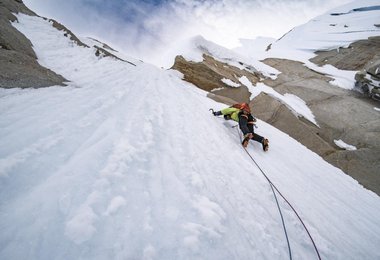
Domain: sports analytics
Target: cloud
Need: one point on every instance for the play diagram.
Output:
(145, 29)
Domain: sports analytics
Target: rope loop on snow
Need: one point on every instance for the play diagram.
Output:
(274, 188)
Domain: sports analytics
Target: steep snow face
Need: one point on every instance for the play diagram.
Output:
(337, 28)
(126, 162)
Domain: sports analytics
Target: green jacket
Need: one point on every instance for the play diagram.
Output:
(232, 112)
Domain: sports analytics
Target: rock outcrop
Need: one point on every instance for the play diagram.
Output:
(208, 75)
(341, 114)
(356, 56)
(363, 56)
(18, 61)
(18, 65)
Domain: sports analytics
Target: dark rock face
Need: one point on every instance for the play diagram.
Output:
(363, 56)
(22, 71)
(341, 114)
(356, 57)
(199, 74)
(18, 62)
(10, 38)
(277, 114)
(100, 52)
(67, 33)
(18, 65)
(104, 46)
(368, 80)
(14, 6)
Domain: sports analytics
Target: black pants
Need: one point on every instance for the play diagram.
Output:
(256, 137)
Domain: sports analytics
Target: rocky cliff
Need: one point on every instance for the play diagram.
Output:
(18, 62)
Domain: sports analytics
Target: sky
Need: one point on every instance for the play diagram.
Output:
(147, 29)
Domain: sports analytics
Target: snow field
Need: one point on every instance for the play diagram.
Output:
(128, 163)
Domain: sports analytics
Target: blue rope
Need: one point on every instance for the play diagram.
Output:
(275, 197)
(283, 222)
(278, 206)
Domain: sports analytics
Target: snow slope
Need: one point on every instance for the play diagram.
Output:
(126, 162)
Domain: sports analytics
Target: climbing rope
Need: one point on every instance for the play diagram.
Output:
(273, 187)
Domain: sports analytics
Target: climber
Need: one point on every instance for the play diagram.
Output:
(241, 113)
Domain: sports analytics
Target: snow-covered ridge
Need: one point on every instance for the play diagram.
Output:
(126, 162)
(333, 30)
(93, 42)
(194, 48)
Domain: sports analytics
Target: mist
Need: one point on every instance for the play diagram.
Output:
(148, 29)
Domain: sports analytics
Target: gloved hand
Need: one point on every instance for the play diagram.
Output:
(227, 117)
(217, 113)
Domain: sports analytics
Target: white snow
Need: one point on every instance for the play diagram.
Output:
(230, 83)
(294, 103)
(377, 108)
(345, 146)
(216, 89)
(254, 47)
(81, 228)
(126, 162)
(341, 78)
(115, 204)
